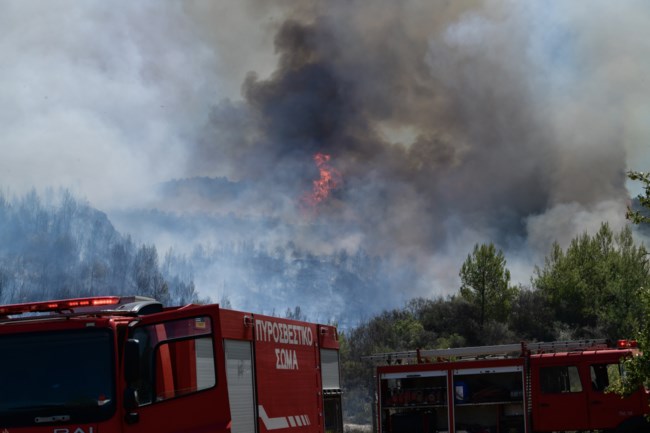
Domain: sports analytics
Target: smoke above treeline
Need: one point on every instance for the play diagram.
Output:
(445, 124)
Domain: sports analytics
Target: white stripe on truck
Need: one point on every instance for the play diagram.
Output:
(282, 421)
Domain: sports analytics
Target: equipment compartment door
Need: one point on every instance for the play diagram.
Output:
(331, 383)
(489, 398)
(241, 390)
(414, 401)
(333, 413)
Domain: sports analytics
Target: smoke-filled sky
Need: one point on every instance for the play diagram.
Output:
(450, 123)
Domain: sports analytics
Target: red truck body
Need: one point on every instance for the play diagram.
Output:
(125, 365)
(520, 388)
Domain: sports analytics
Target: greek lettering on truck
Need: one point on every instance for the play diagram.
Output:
(129, 365)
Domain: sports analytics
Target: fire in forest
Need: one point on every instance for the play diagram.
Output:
(329, 180)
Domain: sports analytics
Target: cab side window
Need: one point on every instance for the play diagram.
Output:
(560, 379)
(604, 374)
(176, 359)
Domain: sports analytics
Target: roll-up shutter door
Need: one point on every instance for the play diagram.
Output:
(239, 373)
(329, 360)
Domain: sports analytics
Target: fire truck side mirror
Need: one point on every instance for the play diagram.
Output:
(132, 361)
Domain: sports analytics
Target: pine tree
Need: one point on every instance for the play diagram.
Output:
(485, 282)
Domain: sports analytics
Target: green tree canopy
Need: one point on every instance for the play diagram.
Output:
(637, 216)
(594, 285)
(485, 282)
(638, 368)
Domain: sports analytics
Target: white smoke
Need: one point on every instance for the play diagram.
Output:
(100, 97)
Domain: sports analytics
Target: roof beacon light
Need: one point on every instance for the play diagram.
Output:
(626, 344)
(48, 306)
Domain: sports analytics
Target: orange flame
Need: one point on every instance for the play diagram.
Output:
(330, 179)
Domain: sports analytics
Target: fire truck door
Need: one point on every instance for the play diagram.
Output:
(560, 399)
(178, 386)
(608, 410)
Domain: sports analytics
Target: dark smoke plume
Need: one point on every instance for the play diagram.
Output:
(451, 123)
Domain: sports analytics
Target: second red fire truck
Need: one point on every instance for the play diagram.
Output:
(515, 388)
(128, 365)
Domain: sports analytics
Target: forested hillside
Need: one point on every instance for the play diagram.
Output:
(56, 247)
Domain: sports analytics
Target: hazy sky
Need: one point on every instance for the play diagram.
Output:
(451, 123)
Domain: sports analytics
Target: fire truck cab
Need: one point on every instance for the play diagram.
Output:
(517, 388)
(126, 364)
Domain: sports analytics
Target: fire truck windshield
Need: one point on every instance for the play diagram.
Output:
(49, 378)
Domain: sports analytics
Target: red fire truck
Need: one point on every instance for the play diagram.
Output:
(118, 364)
(513, 388)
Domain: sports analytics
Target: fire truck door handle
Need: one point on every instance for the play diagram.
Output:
(596, 402)
(545, 405)
(131, 403)
(132, 418)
